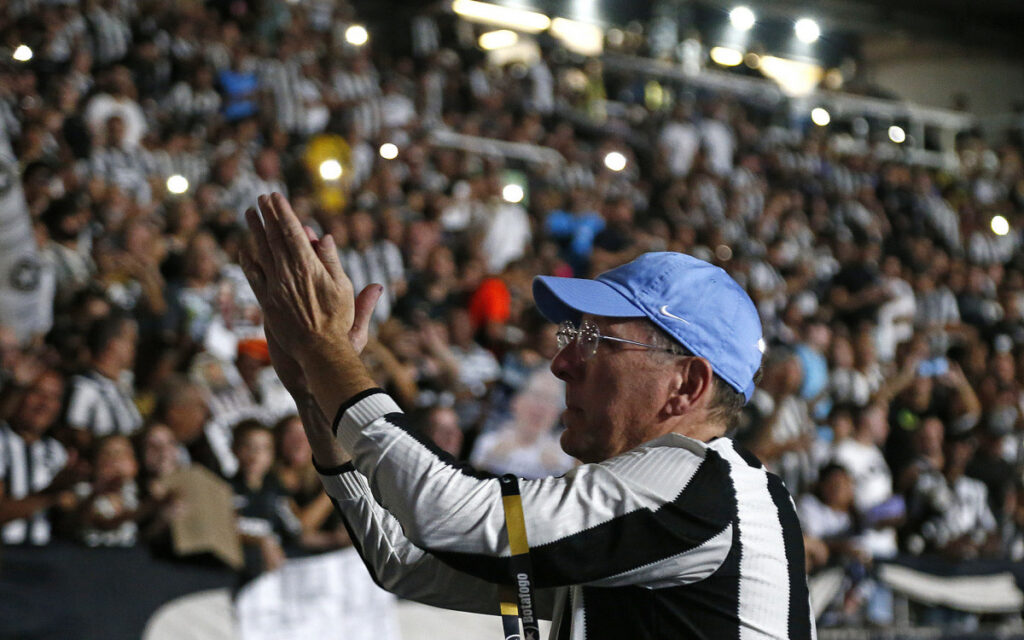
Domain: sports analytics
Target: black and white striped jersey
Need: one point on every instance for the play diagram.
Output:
(101, 406)
(27, 469)
(673, 539)
(381, 262)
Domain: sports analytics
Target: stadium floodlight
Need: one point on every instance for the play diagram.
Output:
(177, 184)
(820, 116)
(1000, 225)
(726, 56)
(897, 134)
(512, 193)
(389, 151)
(497, 39)
(615, 161)
(582, 38)
(510, 17)
(357, 35)
(807, 30)
(742, 18)
(330, 169)
(23, 53)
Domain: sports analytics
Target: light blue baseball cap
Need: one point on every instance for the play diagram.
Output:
(698, 304)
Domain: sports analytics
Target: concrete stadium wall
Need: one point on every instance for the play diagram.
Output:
(934, 74)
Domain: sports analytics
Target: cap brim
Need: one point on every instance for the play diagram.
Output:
(561, 299)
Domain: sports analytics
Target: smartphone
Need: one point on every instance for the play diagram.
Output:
(933, 367)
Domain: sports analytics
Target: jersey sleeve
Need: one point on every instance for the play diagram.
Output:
(655, 516)
(399, 566)
(81, 406)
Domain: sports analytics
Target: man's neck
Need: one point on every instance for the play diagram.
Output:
(27, 435)
(701, 430)
(107, 369)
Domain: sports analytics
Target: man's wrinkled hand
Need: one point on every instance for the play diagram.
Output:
(307, 298)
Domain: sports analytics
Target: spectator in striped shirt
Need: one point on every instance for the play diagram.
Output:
(101, 401)
(367, 260)
(36, 472)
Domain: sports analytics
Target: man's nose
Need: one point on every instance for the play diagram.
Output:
(567, 363)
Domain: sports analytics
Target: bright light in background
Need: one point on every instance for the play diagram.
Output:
(356, 35)
(742, 18)
(512, 193)
(1000, 225)
(330, 169)
(497, 39)
(726, 57)
(794, 77)
(615, 161)
(807, 30)
(820, 116)
(579, 37)
(389, 151)
(23, 53)
(897, 134)
(177, 184)
(833, 79)
(520, 19)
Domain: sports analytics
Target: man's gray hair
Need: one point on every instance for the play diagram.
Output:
(727, 403)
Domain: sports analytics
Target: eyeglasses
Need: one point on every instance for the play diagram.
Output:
(588, 337)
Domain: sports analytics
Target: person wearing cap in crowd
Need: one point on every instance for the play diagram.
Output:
(666, 530)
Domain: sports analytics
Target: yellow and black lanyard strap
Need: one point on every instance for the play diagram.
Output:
(521, 591)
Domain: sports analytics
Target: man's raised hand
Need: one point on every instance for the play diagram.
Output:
(306, 296)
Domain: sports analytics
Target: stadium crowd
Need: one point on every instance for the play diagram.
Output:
(890, 400)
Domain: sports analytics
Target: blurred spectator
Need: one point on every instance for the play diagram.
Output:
(66, 220)
(575, 229)
(109, 509)
(783, 436)
(528, 443)
(118, 161)
(367, 260)
(832, 538)
(322, 527)
(936, 387)
(989, 463)
(948, 511)
(239, 84)
(36, 472)
(477, 367)
(679, 142)
(118, 99)
(266, 520)
(878, 511)
(194, 100)
(505, 227)
(182, 406)
(441, 426)
(101, 400)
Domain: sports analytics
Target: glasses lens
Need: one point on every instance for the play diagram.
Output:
(589, 338)
(566, 334)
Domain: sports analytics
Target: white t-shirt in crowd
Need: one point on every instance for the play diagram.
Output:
(872, 485)
(680, 142)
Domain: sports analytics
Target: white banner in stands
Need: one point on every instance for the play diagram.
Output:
(20, 269)
(324, 597)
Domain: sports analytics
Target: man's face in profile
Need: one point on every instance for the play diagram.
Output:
(612, 398)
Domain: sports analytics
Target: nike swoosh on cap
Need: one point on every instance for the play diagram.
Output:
(665, 312)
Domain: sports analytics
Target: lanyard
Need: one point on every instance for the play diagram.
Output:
(517, 600)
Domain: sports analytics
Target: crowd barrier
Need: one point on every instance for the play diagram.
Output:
(67, 591)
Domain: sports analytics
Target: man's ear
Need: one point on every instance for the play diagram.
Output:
(692, 384)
